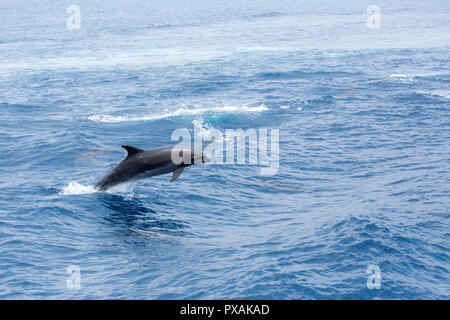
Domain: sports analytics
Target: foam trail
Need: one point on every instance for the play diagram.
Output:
(179, 112)
(75, 188)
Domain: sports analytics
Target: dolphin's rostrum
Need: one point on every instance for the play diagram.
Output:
(140, 164)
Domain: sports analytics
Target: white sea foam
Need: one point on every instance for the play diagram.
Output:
(398, 75)
(179, 112)
(414, 75)
(115, 59)
(404, 78)
(125, 189)
(76, 188)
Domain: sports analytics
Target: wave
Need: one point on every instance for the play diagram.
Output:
(270, 14)
(436, 93)
(414, 76)
(298, 74)
(440, 93)
(176, 113)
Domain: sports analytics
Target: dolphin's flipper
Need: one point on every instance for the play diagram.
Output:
(132, 150)
(176, 173)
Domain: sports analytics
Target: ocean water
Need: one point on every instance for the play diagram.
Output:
(363, 179)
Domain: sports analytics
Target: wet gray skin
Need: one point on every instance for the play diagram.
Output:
(140, 164)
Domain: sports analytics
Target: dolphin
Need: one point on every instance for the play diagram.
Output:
(140, 164)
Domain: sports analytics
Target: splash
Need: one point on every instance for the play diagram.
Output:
(179, 112)
(76, 188)
(204, 130)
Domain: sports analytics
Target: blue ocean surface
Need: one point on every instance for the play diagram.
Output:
(364, 130)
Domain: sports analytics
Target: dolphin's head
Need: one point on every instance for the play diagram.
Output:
(188, 156)
(198, 157)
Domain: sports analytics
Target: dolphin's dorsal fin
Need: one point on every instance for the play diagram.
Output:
(132, 150)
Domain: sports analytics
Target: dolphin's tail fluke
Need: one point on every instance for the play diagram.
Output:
(101, 186)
